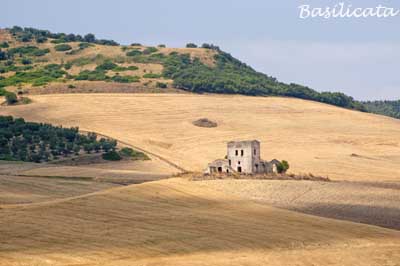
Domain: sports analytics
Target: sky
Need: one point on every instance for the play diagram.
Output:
(357, 56)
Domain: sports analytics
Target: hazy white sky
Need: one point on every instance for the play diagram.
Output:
(357, 56)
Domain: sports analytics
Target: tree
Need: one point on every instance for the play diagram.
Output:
(282, 167)
(89, 37)
(77, 149)
(3, 55)
(191, 45)
(11, 98)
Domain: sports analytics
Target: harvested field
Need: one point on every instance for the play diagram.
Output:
(370, 203)
(26, 189)
(175, 222)
(313, 137)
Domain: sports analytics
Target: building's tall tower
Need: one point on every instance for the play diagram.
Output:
(244, 156)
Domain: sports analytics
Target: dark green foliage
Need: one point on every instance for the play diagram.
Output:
(134, 53)
(68, 65)
(234, 77)
(36, 77)
(4, 45)
(95, 75)
(41, 52)
(28, 51)
(388, 108)
(150, 50)
(89, 37)
(133, 154)
(125, 79)
(191, 45)
(3, 55)
(11, 98)
(161, 45)
(111, 156)
(106, 65)
(84, 45)
(282, 167)
(211, 47)
(152, 76)
(107, 42)
(26, 61)
(27, 34)
(37, 142)
(62, 47)
(58, 41)
(70, 86)
(41, 39)
(136, 44)
(7, 68)
(121, 68)
(161, 85)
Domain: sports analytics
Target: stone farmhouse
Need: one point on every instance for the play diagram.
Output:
(242, 157)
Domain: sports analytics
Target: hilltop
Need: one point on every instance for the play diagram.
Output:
(318, 138)
(38, 61)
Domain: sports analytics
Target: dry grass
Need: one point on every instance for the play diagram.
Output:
(371, 203)
(27, 189)
(313, 137)
(174, 222)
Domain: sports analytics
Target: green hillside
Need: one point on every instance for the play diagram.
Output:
(388, 108)
(32, 58)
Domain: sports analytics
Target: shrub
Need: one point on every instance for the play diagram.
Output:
(84, 45)
(111, 156)
(89, 37)
(133, 154)
(136, 44)
(191, 45)
(57, 41)
(4, 45)
(134, 53)
(68, 65)
(107, 65)
(41, 52)
(26, 61)
(11, 98)
(3, 55)
(121, 68)
(28, 50)
(282, 167)
(150, 50)
(25, 100)
(38, 77)
(161, 45)
(62, 47)
(151, 76)
(41, 39)
(70, 86)
(95, 75)
(125, 79)
(161, 85)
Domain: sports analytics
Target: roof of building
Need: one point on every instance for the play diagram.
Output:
(243, 141)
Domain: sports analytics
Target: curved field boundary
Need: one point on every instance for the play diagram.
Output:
(138, 148)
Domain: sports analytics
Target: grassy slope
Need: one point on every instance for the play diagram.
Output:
(173, 222)
(89, 58)
(191, 69)
(313, 137)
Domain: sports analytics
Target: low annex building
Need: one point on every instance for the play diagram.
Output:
(242, 157)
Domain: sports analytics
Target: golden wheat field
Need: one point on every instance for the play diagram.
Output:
(84, 218)
(314, 137)
(174, 222)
